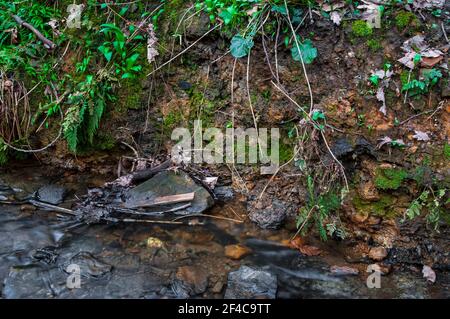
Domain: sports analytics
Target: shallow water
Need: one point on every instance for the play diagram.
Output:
(36, 247)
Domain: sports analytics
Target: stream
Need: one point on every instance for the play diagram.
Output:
(168, 261)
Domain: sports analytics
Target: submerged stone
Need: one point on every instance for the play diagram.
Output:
(270, 217)
(251, 283)
(170, 183)
(52, 194)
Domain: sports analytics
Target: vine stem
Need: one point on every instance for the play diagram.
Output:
(301, 58)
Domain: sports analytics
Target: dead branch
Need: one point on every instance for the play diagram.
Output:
(147, 173)
(167, 200)
(47, 43)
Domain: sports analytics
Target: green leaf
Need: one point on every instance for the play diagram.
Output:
(127, 76)
(318, 115)
(229, 14)
(123, 10)
(280, 9)
(374, 79)
(307, 50)
(241, 46)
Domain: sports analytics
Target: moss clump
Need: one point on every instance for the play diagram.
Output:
(172, 119)
(380, 208)
(374, 45)
(446, 151)
(105, 142)
(361, 28)
(389, 178)
(406, 19)
(286, 151)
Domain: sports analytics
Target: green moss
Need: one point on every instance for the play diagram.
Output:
(374, 45)
(389, 178)
(172, 119)
(382, 208)
(446, 151)
(286, 151)
(361, 28)
(104, 142)
(406, 19)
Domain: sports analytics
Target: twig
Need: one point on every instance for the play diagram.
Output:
(276, 172)
(48, 145)
(132, 148)
(417, 115)
(301, 57)
(304, 223)
(52, 207)
(47, 43)
(248, 92)
(209, 216)
(232, 81)
(185, 50)
(144, 221)
(445, 33)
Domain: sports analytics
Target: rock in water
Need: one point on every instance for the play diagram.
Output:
(224, 193)
(270, 217)
(193, 277)
(250, 283)
(89, 265)
(236, 252)
(52, 194)
(170, 183)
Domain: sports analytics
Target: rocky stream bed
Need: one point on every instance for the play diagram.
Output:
(210, 258)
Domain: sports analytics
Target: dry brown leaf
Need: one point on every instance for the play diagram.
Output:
(430, 62)
(308, 250)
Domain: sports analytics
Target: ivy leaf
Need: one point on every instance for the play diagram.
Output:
(241, 46)
(307, 50)
(318, 115)
(280, 9)
(228, 14)
(374, 79)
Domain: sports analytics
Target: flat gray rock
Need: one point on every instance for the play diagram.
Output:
(170, 183)
(52, 194)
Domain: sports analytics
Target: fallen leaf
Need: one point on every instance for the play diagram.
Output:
(309, 250)
(327, 7)
(371, 14)
(381, 98)
(421, 136)
(388, 140)
(298, 243)
(335, 17)
(211, 181)
(428, 273)
(430, 62)
(408, 60)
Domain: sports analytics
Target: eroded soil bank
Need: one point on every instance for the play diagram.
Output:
(394, 148)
